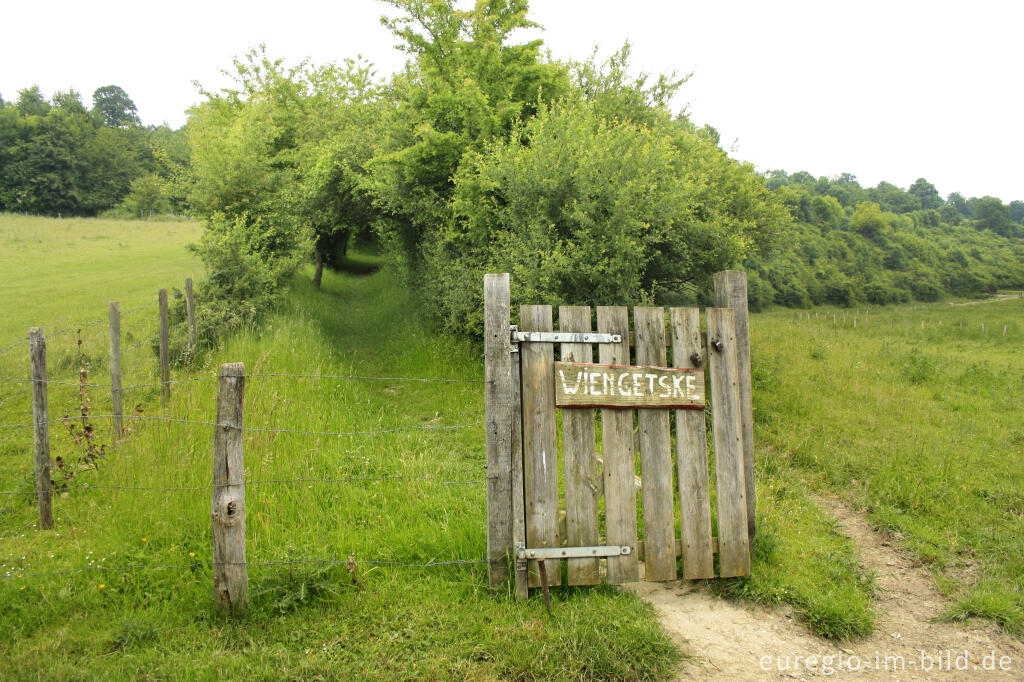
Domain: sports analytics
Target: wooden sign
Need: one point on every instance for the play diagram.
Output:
(590, 385)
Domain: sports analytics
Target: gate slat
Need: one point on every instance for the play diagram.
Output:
(540, 440)
(655, 455)
(580, 444)
(619, 467)
(733, 540)
(692, 455)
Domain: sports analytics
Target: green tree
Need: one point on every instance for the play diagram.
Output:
(869, 221)
(582, 209)
(926, 193)
(826, 212)
(466, 85)
(147, 196)
(992, 214)
(115, 107)
(31, 102)
(1017, 211)
(957, 201)
(70, 101)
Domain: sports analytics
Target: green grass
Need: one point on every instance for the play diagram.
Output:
(61, 274)
(920, 427)
(307, 620)
(58, 273)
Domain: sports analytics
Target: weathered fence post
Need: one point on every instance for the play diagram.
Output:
(190, 311)
(731, 292)
(727, 431)
(498, 401)
(230, 574)
(165, 366)
(115, 369)
(41, 418)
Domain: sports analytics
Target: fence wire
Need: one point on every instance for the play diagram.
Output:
(249, 484)
(13, 345)
(286, 562)
(56, 380)
(405, 427)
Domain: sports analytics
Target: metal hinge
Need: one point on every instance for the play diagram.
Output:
(524, 554)
(562, 337)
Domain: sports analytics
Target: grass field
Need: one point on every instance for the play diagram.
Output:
(417, 498)
(921, 429)
(919, 426)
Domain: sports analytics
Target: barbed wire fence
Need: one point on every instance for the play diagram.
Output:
(230, 567)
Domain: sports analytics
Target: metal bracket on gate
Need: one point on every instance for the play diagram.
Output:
(525, 554)
(562, 337)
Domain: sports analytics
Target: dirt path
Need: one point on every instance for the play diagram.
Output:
(737, 642)
(994, 299)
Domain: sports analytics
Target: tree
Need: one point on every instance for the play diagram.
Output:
(993, 214)
(957, 201)
(826, 212)
(582, 209)
(869, 221)
(466, 86)
(1017, 211)
(147, 196)
(70, 101)
(31, 102)
(926, 193)
(115, 107)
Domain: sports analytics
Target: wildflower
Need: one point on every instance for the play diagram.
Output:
(191, 553)
(102, 586)
(143, 539)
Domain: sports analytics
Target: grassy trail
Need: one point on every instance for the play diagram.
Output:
(410, 497)
(914, 416)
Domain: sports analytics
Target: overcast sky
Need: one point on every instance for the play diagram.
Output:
(891, 90)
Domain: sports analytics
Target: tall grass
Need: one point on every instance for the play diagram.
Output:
(411, 497)
(921, 427)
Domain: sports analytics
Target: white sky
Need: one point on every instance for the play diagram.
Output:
(887, 90)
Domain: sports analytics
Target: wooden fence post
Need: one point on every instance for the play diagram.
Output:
(230, 573)
(165, 366)
(498, 401)
(41, 418)
(117, 409)
(727, 431)
(731, 292)
(190, 311)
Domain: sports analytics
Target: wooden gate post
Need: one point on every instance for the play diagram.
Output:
(117, 409)
(731, 292)
(41, 417)
(230, 574)
(165, 367)
(498, 400)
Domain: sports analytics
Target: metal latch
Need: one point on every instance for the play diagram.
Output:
(524, 554)
(563, 337)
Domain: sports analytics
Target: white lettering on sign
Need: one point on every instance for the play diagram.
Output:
(588, 385)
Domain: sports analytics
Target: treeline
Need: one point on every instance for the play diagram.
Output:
(58, 157)
(483, 154)
(850, 244)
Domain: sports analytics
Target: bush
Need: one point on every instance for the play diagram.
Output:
(583, 210)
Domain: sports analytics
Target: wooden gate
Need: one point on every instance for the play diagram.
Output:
(584, 465)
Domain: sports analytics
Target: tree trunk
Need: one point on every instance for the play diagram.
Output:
(319, 274)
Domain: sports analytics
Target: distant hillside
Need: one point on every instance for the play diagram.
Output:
(851, 244)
